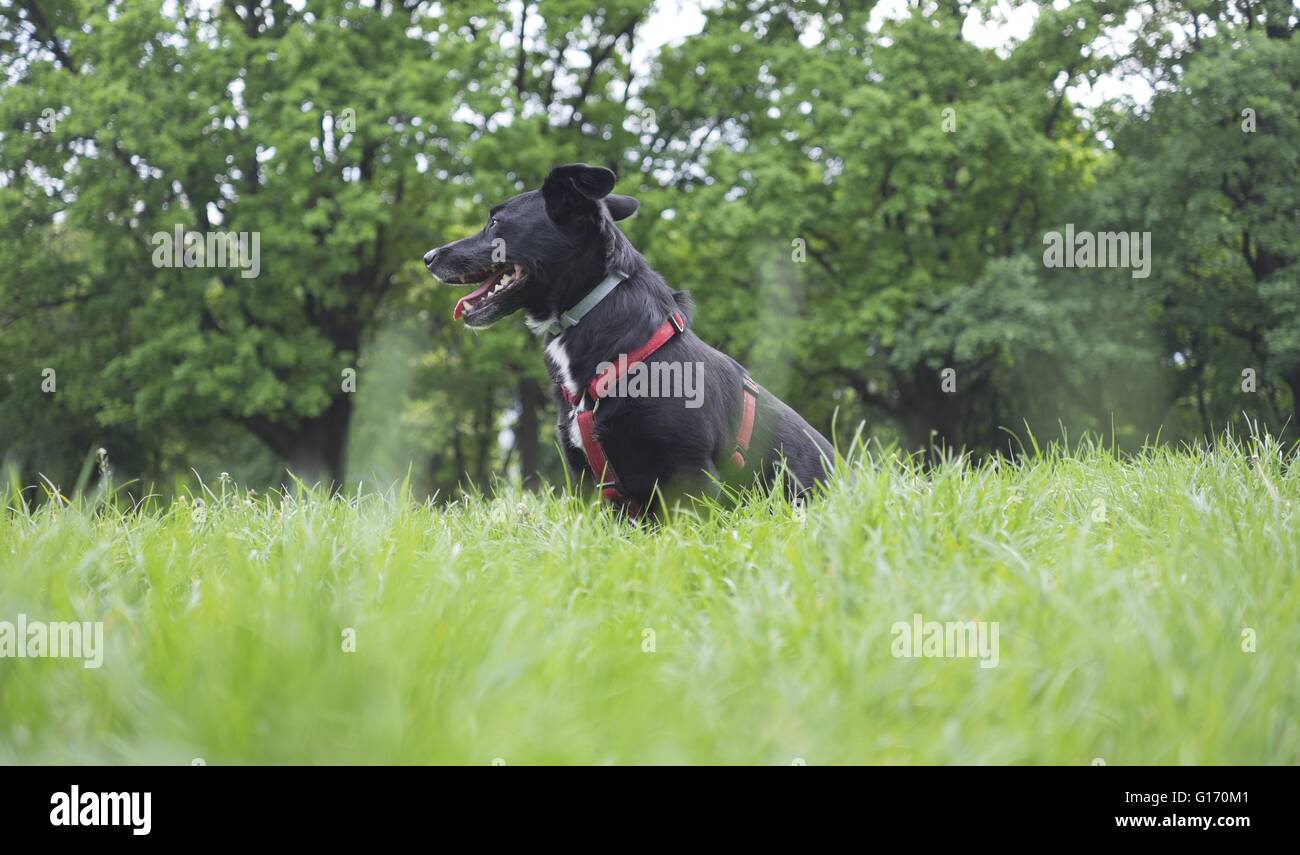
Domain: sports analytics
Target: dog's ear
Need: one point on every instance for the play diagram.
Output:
(621, 207)
(575, 188)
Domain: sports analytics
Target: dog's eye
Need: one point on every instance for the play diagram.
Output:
(492, 223)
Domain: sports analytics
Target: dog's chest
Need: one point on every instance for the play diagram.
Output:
(557, 362)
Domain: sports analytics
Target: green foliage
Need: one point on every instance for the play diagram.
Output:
(907, 168)
(1213, 169)
(857, 207)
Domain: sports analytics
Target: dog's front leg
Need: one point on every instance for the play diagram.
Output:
(574, 459)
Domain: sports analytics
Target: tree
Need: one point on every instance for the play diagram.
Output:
(1213, 169)
(348, 136)
(897, 169)
(305, 130)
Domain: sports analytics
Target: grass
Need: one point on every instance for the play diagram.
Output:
(516, 628)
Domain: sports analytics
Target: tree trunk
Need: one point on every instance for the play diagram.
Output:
(312, 448)
(1293, 380)
(527, 432)
(931, 417)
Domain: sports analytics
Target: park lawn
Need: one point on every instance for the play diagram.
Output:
(1147, 611)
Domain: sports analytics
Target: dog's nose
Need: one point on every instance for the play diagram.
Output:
(430, 256)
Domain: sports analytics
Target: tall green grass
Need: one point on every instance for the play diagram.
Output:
(539, 628)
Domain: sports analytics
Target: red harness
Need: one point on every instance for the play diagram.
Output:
(598, 388)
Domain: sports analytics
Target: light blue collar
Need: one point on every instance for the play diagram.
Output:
(587, 303)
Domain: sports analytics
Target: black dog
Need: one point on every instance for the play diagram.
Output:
(557, 255)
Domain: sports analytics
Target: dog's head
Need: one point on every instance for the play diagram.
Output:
(535, 248)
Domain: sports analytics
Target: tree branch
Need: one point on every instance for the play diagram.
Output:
(597, 59)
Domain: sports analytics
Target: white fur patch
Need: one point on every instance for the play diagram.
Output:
(560, 359)
(536, 326)
(575, 435)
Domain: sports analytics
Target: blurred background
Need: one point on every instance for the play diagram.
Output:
(856, 193)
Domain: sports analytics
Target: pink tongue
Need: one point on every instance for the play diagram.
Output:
(474, 295)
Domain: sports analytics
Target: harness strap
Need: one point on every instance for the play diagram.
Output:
(746, 431)
(607, 478)
(600, 386)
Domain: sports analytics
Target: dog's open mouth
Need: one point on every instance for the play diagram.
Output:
(496, 283)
